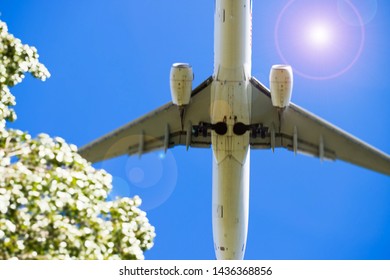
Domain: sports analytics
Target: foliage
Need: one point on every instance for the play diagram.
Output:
(53, 203)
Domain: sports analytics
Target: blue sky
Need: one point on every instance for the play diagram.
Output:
(110, 63)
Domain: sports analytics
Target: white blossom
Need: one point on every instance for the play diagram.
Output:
(52, 201)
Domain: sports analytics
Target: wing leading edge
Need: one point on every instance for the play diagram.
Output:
(162, 128)
(295, 129)
(300, 131)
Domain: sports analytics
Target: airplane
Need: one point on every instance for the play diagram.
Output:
(232, 112)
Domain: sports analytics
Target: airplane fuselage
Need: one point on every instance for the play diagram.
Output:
(230, 104)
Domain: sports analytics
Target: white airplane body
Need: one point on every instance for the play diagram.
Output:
(233, 113)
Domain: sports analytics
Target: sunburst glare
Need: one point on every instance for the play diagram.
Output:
(319, 35)
(313, 38)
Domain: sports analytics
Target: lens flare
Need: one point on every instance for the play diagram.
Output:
(319, 35)
(153, 177)
(136, 175)
(368, 10)
(313, 38)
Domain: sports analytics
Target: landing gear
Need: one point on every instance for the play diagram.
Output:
(259, 130)
(220, 128)
(239, 128)
(202, 129)
(255, 129)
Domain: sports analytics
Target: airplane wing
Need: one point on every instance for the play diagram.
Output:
(300, 131)
(162, 128)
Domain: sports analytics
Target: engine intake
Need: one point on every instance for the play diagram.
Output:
(181, 83)
(281, 84)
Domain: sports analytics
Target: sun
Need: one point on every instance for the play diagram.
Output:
(314, 38)
(319, 35)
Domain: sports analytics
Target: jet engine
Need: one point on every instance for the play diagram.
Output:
(181, 83)
(281, 84)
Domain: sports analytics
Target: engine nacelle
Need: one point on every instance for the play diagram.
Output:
(181, 83)
(281, 84)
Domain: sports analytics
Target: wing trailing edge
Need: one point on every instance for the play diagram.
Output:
(298, 130)
(161, 129)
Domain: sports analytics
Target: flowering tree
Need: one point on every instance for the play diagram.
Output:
(53, 203)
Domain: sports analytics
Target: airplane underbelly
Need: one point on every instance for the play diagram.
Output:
(230, 207)
(230, 105)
